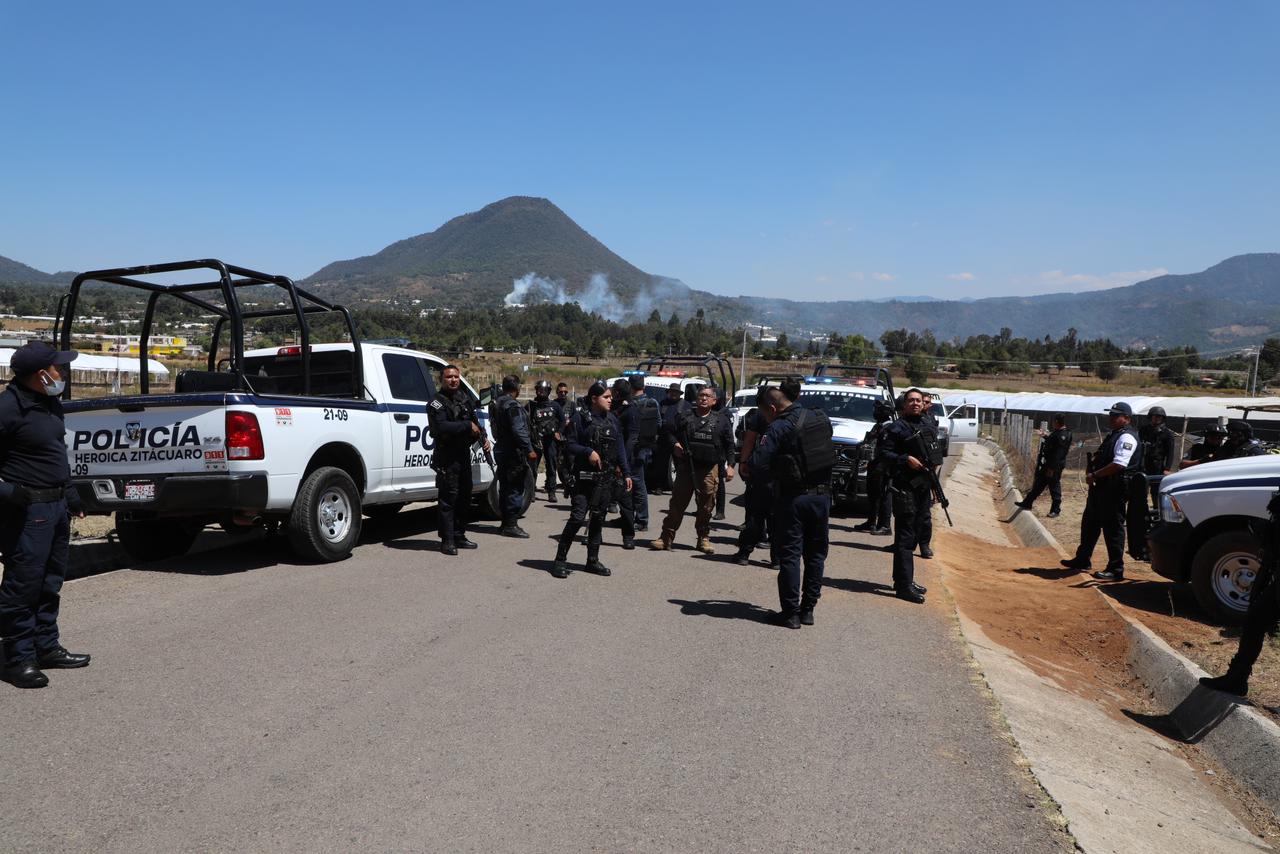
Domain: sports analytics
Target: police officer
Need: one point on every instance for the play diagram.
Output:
(1118, 458)
(452, 422)
(568, 412)
(1264, 608)
(702, 439)
(669, 406)
(910, 451)
(545, 417)
(622, 497)
(642, 437)
(514, 453)
(879, 498)
(1208, 450)
(797, 452)
(594, 440)
(1049, 464)
(759, 489)
(1144, 492)
(1240, 441)
(36, 499)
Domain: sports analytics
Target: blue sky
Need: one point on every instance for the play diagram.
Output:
(810, 150)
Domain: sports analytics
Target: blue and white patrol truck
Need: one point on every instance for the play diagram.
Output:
(304, 437)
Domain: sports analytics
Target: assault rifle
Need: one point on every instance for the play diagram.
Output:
(935, 485)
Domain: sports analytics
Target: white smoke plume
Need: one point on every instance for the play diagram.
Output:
(596, 296)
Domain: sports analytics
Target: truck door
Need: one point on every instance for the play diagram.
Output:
(411, 385)
(964, 423)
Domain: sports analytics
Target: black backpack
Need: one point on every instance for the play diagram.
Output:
(647, 419)
(812, 453)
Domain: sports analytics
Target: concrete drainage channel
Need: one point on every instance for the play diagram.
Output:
(1240, 738)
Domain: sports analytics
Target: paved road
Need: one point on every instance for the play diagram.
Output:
(405, 701)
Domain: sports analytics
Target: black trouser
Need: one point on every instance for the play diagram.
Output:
(1264, 611)
(1054, 484)
(550, 455)
(1136, 515)
(567, 474)
(33, 541)
(453, 480)
(590, 499)
(910, 514)
(755, 523)
(659, 475)
(1104, 514)
(800, 529)
(626, 507)
(720, 492)
(511, 475)
(879, 499)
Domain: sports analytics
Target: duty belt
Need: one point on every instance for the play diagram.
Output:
(817, 489)
(43, 496)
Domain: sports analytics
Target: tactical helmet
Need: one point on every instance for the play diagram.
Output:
(542, 387)
(1156, 410)
(1240, 427)
(1215, 429)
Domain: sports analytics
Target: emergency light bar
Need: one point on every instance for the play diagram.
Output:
(635, 373)
(827, 380)
(671, 373)
(293, 350)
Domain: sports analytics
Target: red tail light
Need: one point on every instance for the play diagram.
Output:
(244, 437)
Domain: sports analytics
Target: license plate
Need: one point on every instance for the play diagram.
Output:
(145, 491)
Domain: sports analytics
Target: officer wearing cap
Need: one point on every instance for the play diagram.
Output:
(36, 499)
(1118, 458)
(1240, 441)
(545, 417)
(514, 452)
(1052, 458)
(1207, 451)
(1157, 461)
(452, 422)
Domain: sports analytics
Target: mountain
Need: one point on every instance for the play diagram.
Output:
(473, 259)
(1233, 303)
(16, 272)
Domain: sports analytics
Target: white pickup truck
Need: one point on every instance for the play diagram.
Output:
(305, 437)
(1204, 534)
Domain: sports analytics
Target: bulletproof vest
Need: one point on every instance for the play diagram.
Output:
(1153, 448)
(647, 418)
(1107, 452)
(544, 418)
(508, 410)
(702, 438)
(928, 433)
(809, 454)
(603, 439)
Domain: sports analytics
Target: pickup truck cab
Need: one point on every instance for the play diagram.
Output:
(1204, 536)
(305, 437)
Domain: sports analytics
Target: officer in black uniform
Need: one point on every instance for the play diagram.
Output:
(669, 406)
(879, 498)
(1049, 464)
(911, 450)
(1240, 441)
(642, 439)
(622, 497)
(452, 422)
(594, 440)
(1263, 615)
(1117, 459)
(545, 417)
(514, 452)
(1207, 451)
(568, 412)
(1157, 442)
(36, 500)
(798, 454)
(759, 490)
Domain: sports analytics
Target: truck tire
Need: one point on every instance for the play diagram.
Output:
(487, 501)
(1222, 572)
(324, 524)
(383, 511)
(155, 539)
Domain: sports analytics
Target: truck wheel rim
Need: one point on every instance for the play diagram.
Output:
(1233, 578)
(334, 515)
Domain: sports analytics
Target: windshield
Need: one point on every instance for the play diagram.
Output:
(840, 404)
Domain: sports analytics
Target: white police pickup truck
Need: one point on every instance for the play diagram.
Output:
(304, 437)
(1204, 534)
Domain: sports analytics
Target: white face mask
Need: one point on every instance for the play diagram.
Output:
(52, 387)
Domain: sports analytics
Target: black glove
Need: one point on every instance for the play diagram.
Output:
(19, 496)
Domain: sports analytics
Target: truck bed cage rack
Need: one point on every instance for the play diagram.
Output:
(230, 278)
(880, 376)
(713, 365)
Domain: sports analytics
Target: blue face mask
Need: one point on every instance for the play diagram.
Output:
(52, 387)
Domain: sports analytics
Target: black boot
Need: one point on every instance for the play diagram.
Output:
(24, 674)
(1234, 681)
(560, 569)
(511, 528)
(594, 565)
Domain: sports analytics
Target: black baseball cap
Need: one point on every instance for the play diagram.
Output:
(1120, 408)
(38, 355)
